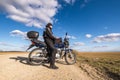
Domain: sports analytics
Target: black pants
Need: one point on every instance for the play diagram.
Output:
(51, 51)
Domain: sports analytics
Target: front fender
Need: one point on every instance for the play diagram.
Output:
(69, 50)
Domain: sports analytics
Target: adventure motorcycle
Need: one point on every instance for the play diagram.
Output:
(39, 55)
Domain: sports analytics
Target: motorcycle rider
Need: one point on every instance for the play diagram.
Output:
(49, 39)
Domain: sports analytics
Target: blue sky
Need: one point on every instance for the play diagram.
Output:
(92, 25)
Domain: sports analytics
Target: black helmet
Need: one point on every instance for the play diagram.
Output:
(49, 24)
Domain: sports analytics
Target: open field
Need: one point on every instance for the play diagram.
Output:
(105, 62)
(90, 66)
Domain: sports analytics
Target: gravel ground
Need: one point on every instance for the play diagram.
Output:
(13, 66)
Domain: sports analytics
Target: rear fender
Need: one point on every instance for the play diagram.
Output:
(32, 45)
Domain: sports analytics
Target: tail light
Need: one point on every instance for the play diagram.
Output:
(32, 42)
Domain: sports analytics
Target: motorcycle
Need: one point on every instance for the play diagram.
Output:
(39, 56)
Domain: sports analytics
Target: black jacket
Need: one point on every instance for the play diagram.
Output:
(47, 34)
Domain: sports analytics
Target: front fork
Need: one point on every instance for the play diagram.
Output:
(64, 52)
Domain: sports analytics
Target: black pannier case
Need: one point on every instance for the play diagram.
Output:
(33, 34)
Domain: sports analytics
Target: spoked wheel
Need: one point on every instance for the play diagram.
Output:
(70, 57)
(36, 57)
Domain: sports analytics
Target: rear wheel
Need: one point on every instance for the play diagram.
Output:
(36, 57)
(70, 57)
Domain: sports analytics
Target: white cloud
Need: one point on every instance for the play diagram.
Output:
(18, 33)
(72, 37)
(78, 44)
(85, 2)
(88, 35)
(96, 48)
(6, 44)
(30, 12)
(104, 46)
(70, 1)
(107, 38)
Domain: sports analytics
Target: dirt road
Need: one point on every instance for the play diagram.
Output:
(14, 66)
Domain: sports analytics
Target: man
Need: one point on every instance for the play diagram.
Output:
(49, 40)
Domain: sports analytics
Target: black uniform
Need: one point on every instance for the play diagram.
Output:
(49, 40)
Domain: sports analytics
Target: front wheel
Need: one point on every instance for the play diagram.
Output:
(36, 56)
(70, 57)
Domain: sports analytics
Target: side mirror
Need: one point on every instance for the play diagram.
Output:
(66, 34)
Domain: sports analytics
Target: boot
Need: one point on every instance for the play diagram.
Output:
(53, 67)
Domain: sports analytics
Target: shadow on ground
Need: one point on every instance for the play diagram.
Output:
(24, 60)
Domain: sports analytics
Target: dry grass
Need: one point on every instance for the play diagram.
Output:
(115, 55)
(107, 62)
